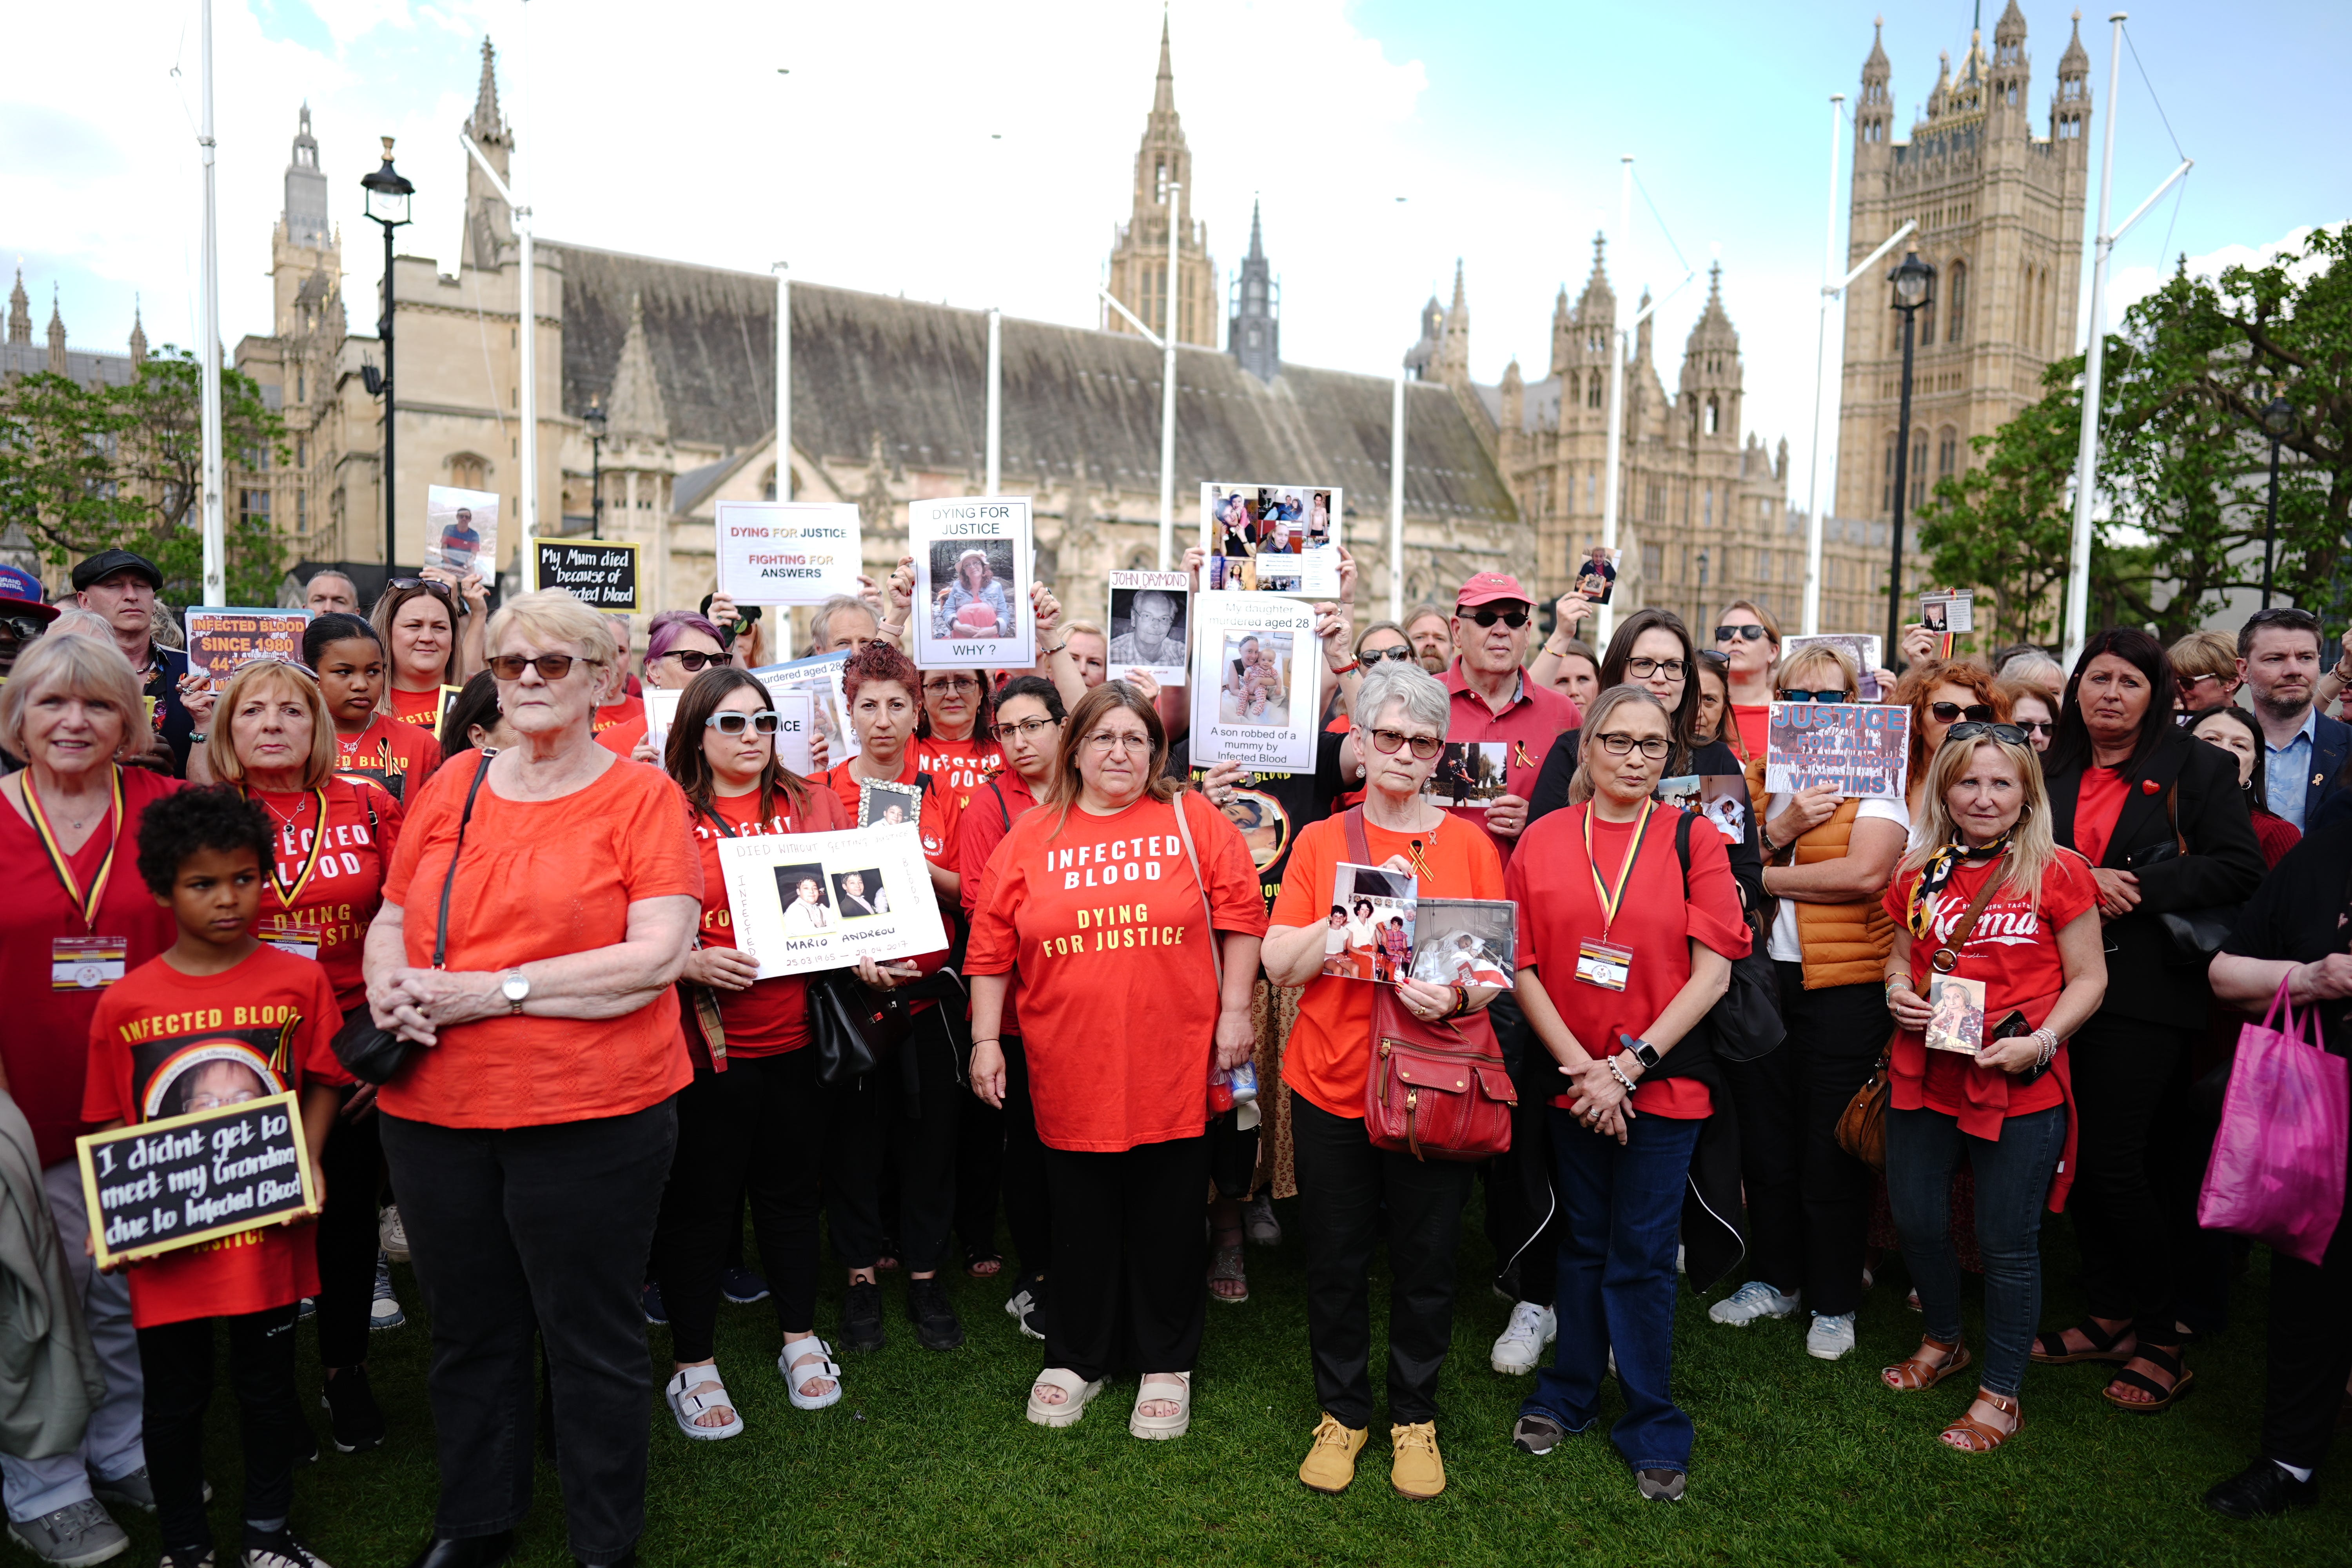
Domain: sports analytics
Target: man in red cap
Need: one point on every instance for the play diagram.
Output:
(1494, 701)
(23, 614)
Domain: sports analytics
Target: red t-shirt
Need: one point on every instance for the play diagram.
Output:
(622, 739)
(422, 709)
(2014, 949)
(1101, 918)
(43, 1031)
(260, 1028)
(539, 880)
(998, 803)
(961, 766)
(1537, 717)
(398, 757)
(1754, 722)
(323, 907)
(609, 714)
(771, 1016)
(1552, 881)
(939, 818)
(2099, 802)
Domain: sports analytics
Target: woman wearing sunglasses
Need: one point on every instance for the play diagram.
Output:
(531, 1131)
(1827, 858)
(2031, 710)
(1941, 693)
(680, 646)
(1749, 639)
(743, 1133)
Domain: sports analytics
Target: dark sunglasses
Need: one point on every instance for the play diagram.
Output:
(1484, 616)
(1713, 660)
(2040, 726)
(2302, 620)
(1375, 655)
(1725, 633)
(1388, 741)
(25, 628)
(2008, 734)
(1976, 712)
(1830, 694)
(732, 724)
(430, 584)
(692, 660)
(551, 667)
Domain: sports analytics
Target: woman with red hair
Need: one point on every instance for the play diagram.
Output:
(1940, 693)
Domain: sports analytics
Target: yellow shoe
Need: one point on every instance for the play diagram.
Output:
(1418, 1472)
(1331, 1463)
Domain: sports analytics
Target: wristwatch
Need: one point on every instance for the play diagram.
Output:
(515, 988)
(1644, 1052)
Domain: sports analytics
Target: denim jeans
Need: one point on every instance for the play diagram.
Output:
(2012, 1176)
(1621, 1209)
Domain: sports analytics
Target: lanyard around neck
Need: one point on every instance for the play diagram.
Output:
(286, 895)
(62, 864)
(1611, 899)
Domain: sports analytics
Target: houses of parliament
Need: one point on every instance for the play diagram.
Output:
(889, 393)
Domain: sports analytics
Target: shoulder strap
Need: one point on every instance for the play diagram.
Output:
(1002, 810)
(1959, 937)
(2173, 815)
(717, 821)
(1358, 844)
(1682, 850)
(441, 929)
(1184, 832)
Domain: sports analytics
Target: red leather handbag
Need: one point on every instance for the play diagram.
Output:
(1436, 1090)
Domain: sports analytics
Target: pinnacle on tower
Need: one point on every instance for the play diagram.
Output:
(20, 310)
(635, 407)
(1163, 92)
(138, 333)
(57, 333)
(486, 124)
(2075, 59)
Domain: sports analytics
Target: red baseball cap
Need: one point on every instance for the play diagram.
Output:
(20, 594)
(1491, 587)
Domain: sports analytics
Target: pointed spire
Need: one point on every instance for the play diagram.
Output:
(2011, 29)
(20, 308)
(1163, 95)
(1257, 246)
(1461, 302)
(1600, 249)
(138, 333)
(57, 333)
(2075, 61)
(1877, 66)
(635, 406)
(487, 125)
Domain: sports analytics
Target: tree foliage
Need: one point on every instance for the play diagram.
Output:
(91, 468)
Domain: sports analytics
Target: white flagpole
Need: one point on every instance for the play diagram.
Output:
(1609, 484)
(1813, 520)
(216, 561)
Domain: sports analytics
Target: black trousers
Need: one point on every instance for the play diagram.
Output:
(1523, 1215)
(978, 1171)
(176, 1362)
(1808, 1200)
(2310, 1351)
(878, 1126)
(1028, 1215)
(521, 1235)
(2124, 1071)
(1128, 1268)
(353, 1163)
(1343, 1185)
(1233, 1155)
(750, 1131)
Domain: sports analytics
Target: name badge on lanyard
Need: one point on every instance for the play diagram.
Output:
(85, 962)
(1600, 962)
(93, 962)
(1603, 964)
(295, 941)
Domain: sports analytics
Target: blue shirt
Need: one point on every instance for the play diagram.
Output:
(2286, 772)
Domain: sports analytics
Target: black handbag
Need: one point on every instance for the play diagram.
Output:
(369, 1052)
(1744, 1022)
(849, 1026)
(2191, 937)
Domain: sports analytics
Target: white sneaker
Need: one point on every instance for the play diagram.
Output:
(391, 1235)
(1753, 1301)
(1522, 1345)
(1831, 1337)
(383, 1310)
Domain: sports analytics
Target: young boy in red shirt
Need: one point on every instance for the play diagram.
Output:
(218, 1018)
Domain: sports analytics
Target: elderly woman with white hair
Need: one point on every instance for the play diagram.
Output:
(534, 925)
(69, 927)
(1346, 1186)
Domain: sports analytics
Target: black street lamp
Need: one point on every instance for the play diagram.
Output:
(387, 203)
(1915, 287)
(595, 422)
(2278, 420)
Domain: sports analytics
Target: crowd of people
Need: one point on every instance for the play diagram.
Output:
(481, 904)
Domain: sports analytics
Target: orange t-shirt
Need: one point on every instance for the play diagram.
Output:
(962, 766)
(1102, 921)
(621, 713)
(396, 755)
(1331, 1047)
(422, 709)
(622, 739)
(264, 1027)
(542, 879)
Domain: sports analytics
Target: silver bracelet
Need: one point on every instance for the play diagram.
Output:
(1619, 1074)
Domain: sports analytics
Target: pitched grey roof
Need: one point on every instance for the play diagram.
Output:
(912, 371)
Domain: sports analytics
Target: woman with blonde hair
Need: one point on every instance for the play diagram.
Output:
(1986, 896)
(1941, 693)
(416, 620)
(2205, 671)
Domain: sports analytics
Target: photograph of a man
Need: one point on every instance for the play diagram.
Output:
(1154, 634)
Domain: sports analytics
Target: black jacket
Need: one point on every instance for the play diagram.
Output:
(2222, 869)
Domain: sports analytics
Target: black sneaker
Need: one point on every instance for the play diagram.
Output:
(650, 1299)
(306, 1444)
(187, 1557)
(742, 1286)
(1537, 1435)
(354, 1420)
(282, 1548)
(936, 1323)
(861, 1318)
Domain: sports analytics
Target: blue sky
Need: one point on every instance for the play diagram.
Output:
(871, 165)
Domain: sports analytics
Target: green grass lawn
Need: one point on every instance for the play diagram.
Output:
(928, 1459)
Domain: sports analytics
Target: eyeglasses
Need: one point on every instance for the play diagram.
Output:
(1388, 741)
(1799, 694)
(1713, 659)
(2191, 682)
(1028, 728)
(1102, 742)
(25, 628)
(2301, 620)
(1725, 633)
(1643, 669)
(551, 667)
(1617, 743)
(2009, 733)
(953, 683)
(692, 660)
(733, 723)
(430, 584)
(1944, 712)
(1374, 655)
(2038, 726)
(1486, 617)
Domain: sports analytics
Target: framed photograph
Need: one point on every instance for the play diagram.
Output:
(461, 530)
(1271, 538)
(1470, 773)
(887, 804)
(1948, 610)
(1256, 690)
(1370, 926)
(1148, 622)
(807, 902)
(1468, 942)
(1957, 1005)
(971, 583)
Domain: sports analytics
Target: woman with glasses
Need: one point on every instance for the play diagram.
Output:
(1986, 896)
(1622, 952)
(680, 646)
(2031, 710)
(1346, 1185)
(531, 1127)
(1131, 914)
(955, 740)
(2163, 823)
(1827, 858)
(416, 622)
(349, 656)
(1941, 693)
(743, 1132)
(2204, 671)
(1749, 639)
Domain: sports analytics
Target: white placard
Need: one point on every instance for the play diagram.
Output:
(793, 726)
(787, 552)
(972, 582)
(1149, 614)
(806, 901)
(461, 530)
(820, 678)
(1272, 538)
(661, 707)
(1257, 682)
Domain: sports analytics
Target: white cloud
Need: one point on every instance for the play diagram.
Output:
(2128, 285)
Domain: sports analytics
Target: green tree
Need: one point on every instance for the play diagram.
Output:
(2003, 525)
(86, 469)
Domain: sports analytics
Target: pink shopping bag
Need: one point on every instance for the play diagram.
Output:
(2278, 1166)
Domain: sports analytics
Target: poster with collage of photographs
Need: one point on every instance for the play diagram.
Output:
(1270, 539)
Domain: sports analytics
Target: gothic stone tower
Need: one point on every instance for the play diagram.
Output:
(1253, 334)
(1139, 257)
(2000, 217)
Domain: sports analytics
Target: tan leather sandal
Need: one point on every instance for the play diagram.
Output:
(1915, 1373)
(1971, 1436)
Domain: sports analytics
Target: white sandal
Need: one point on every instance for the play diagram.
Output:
(796, 1374)
(1077, 1392)
(1171, 1385)
(687, 1400)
